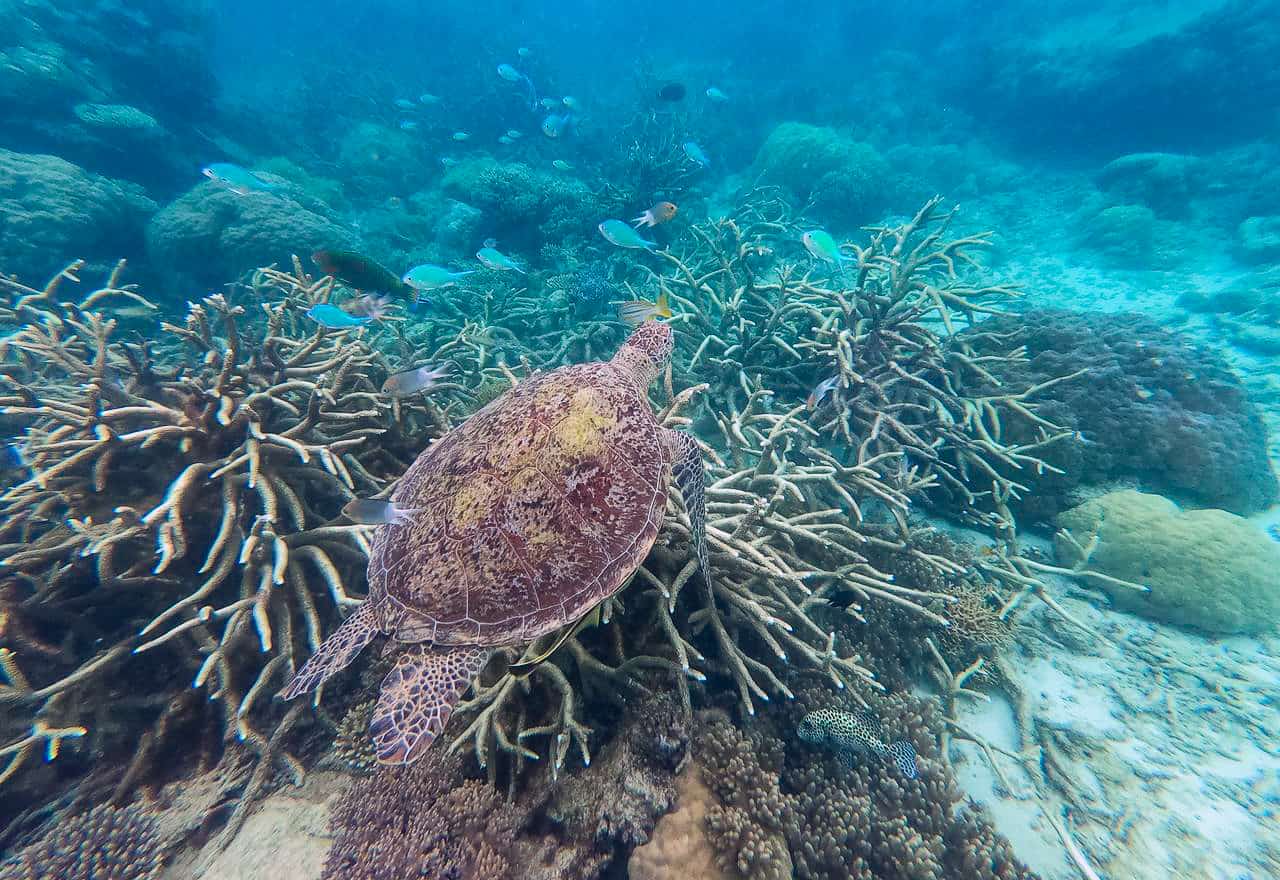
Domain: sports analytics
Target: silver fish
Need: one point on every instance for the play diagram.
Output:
(414, 381)
(372, 512)
(823, 388)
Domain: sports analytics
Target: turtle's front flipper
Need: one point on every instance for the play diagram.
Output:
(688, 470)
(418, 696)
(335, 652)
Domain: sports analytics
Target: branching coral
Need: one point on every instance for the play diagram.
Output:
(178, 517)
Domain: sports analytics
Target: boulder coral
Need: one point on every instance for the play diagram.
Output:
(210, 234)
(844, 178)
(1153, 407)
(52, 207)
(525, 208)
(1206, 569)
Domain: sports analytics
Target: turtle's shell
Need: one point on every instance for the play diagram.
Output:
(533, 511)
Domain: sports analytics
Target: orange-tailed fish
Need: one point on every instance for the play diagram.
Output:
(659, 213)
(823, 388)
(637, 311)
(372, 512)
(414, 381)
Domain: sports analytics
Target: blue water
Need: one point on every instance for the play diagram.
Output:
(1125, 160)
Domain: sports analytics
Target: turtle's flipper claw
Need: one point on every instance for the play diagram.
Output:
(418, 696)
(335, 653)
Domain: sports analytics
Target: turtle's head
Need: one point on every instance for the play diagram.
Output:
(646, 351)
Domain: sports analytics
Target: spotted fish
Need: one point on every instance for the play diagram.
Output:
(848, 733)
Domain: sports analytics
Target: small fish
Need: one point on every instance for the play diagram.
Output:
(358, 271)
(427, 99)
(1274, 531)
(489, 243)
(672, 92)
(448, 161)
(12, 457)
(515, 134)
(659, 213)
(822, 246)
(369, 306)
(372, 512)
(509, 73)
(549, 103)
(561, 165)
(848, 733)
(523, 52)
(618, 233)
(637, 311)
(429, 277)
(492, 258)
(134, 311)
(556, 124)
(821, 390)
(334, 318)
(414, 381)
(695, 154)
(571, 102)
(716, 95)
(408, 125)
(461, 136)
(504, 140)
(405, 104)
(239, 180)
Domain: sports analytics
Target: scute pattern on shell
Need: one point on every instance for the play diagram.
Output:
(535, 509)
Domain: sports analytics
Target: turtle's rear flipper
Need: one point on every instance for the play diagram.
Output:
(688, 470)
(418, 696)
(335, 652)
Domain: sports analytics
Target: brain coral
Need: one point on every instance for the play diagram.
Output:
(54, 210)
(524, 207)
(845, 178)
(1153, 407)
(1206, 568)
(211, 234)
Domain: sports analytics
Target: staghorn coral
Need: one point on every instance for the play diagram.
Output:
(104, 843)
(214, 562)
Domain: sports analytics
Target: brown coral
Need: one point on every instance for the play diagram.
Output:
(105, 843)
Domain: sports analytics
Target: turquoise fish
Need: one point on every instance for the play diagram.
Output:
(621, 234)
(848, 733)
(428, 276)
(330, 316)
(492, 258)
(239, 180)
(696, 154)
(822, 246)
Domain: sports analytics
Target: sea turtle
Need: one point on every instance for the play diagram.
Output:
(528, 515)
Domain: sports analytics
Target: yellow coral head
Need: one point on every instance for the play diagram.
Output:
(646, 351)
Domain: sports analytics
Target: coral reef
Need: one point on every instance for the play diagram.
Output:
(1155, 407)
(429, 820)
(104, 843)
(844, 180)
(210, 234)
(1205, 568)
(786, 807)
(214, 562)
(51, 207)
(1162, 182)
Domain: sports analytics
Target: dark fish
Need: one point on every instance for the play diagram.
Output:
(360, 272)
(848, 733)
(672, 91)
